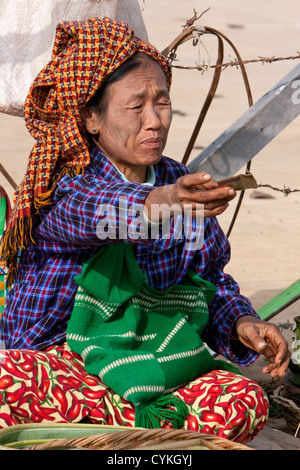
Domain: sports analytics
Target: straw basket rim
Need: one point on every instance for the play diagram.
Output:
(143, 439)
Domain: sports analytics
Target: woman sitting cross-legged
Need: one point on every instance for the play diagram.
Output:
(116, 259)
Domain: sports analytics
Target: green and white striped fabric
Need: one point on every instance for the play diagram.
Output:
(141, 342)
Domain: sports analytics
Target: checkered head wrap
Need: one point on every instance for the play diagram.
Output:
(84, 55)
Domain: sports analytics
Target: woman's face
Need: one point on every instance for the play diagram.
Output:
(133, 130)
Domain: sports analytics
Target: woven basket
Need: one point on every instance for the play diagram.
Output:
(288, 397)
(152, 439)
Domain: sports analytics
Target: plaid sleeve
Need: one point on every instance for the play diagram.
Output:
(87, 211)
(228, 304)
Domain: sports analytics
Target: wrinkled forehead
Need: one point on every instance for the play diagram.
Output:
(146, 80)
(142, 68)
(162, 64)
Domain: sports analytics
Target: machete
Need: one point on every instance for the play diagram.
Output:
(250, 133)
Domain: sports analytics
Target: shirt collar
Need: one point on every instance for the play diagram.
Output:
(99, 158)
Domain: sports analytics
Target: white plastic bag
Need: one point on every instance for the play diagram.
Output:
(27, 32)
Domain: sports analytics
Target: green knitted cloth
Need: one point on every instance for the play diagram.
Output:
(141, 342)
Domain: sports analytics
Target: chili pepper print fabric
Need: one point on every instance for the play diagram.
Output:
(52, 386)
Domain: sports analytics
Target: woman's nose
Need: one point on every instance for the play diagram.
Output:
(152, 118)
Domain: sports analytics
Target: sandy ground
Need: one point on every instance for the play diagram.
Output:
(265, 240)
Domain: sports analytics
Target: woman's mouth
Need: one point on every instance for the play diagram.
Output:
(153, 142)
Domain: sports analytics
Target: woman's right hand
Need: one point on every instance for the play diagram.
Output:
(197, 192)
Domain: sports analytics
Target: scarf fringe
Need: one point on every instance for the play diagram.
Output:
(167, 408)
(19, 233)
(13, 240)
(44, 199)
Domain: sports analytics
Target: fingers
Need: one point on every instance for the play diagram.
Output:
(278, 363)
(198, 179)
(215, 209)
(278, 351)
(203, 181)
(196, 194)
(278, 355)
(200, 188)
(276, 370)
(266, 339)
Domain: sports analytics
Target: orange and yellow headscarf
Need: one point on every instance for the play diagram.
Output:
(84, 55)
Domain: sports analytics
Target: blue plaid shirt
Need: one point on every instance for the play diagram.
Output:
(39, 305)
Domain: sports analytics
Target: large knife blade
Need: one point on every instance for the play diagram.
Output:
(250, 133)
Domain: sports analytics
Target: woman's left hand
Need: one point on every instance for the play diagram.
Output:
(266, 339)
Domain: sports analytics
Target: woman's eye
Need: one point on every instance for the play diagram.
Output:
(164, 103)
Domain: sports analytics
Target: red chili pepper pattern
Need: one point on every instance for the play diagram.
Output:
(52, 385)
